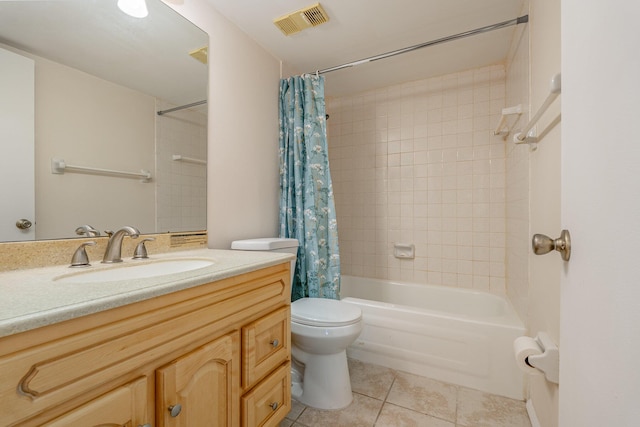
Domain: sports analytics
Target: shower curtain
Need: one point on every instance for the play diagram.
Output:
(307, 209)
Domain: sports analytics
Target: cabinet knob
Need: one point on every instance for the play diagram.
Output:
(175, 410)
(274, 405)
(274, 343)
(145, 425)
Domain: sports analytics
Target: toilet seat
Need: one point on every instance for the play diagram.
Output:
(323, 312)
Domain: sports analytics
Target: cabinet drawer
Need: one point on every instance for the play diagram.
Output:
(270, 401)
(265, 345)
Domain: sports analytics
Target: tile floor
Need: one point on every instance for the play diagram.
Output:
(384, 397)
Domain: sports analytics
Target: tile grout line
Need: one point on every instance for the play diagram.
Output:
(384, 401)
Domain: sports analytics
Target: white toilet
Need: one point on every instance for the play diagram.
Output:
(321, 331)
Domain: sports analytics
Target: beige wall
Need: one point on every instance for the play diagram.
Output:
(90, 122)
(418, 163)
(533, 194)
(544, 293)
(517, 173)
(242, 184)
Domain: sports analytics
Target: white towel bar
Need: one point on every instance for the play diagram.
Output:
(59, 166)
(523, 136)
(181, 158)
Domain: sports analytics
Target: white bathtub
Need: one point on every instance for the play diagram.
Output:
(455, 335)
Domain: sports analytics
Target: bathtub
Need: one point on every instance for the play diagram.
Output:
(459, 336)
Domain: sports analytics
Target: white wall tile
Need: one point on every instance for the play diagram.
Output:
(437, 180)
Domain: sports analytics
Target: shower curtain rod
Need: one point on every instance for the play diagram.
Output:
(182, 107)
(520, 20)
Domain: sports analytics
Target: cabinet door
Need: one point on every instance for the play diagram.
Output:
(202, 387)
(124, 406)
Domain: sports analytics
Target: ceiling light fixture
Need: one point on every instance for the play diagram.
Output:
(135, 8)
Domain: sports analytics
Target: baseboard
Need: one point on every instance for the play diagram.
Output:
(533, 418)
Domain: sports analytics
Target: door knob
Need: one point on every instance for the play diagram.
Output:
(23, 224)
(543, 244)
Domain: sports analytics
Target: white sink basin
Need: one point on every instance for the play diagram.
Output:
(133, 271)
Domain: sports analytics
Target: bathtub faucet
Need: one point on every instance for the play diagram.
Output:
(114, 246)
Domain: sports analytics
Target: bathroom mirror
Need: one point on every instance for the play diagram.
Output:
(100, 76)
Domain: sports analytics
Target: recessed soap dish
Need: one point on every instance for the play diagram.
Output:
(404, 251)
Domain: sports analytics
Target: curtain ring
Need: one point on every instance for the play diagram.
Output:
(317, 75)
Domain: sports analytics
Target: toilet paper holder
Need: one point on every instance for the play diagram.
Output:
(549, 361)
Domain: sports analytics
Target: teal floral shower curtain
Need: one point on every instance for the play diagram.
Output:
(307, 209)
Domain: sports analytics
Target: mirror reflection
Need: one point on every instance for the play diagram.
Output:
(81, 86)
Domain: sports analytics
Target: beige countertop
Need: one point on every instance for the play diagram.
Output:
(32, 298)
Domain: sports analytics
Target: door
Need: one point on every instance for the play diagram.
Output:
(202, 387)
(600, 301)
(124, 406)
(17, 130)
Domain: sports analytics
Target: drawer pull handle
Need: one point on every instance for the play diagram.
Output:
(175, 410)
(274, 343)
(274, 405)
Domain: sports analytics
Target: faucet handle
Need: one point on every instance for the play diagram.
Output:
(80, 258)
(141, 249)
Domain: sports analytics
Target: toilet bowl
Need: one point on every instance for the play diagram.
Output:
(321, 331)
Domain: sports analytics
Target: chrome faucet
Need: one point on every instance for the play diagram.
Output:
(114, 246)
(87, 230)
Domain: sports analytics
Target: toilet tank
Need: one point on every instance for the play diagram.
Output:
(272, 244)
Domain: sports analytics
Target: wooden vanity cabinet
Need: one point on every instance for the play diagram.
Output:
(214, 355)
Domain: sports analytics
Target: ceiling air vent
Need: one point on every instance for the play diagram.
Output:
(297, 21)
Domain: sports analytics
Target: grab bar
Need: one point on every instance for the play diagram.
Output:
(59, 166)
(523, 136)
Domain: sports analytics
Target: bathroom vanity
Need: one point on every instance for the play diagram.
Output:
(209, 347)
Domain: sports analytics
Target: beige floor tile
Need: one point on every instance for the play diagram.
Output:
(478, 409)
(286, 423)
(296, 410)
(362, 412)
(370, 380)
(395, 416)
(424, 395)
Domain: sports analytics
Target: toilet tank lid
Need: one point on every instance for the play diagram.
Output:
(264, 244)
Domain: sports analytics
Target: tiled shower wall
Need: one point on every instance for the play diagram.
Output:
(181, 187)
(418, 163)
(517, 191)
